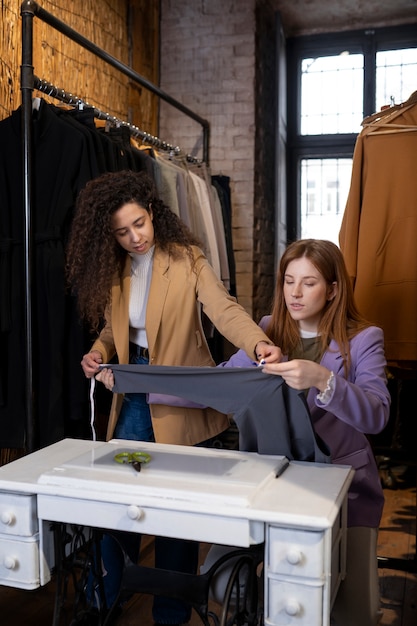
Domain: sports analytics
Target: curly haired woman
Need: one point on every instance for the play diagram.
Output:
(133, 262)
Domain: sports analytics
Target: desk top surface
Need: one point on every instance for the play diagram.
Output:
(230, 483)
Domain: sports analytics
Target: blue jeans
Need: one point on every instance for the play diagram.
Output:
(135, 423)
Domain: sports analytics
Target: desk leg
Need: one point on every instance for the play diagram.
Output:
(77, 549)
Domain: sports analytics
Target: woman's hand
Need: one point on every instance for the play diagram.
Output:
(106, 377)
(268, 353)
(90, 363)
(300, 374)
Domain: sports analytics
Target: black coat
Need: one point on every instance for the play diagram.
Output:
(61, 167)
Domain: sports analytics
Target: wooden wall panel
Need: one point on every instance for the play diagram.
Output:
(126, 29)
(10, 57)
(144, 18)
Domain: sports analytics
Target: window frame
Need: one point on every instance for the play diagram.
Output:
(367, 42)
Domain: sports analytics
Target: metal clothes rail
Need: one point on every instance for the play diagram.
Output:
(69, 98)
(28, 10)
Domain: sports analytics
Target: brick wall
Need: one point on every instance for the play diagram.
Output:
(208, 64)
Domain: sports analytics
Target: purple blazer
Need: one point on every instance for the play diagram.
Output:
(359, 405)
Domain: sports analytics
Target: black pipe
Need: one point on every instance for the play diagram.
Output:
(70, 98)
(26, 84)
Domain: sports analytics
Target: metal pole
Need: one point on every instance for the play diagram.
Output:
(27, 13)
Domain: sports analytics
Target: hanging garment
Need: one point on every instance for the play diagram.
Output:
(202, 171)
(83, 122)
(379, 229)
(168, 191)
(222, 185)
(272, 418)
(61, 168)
(221, 239)
(205, 208)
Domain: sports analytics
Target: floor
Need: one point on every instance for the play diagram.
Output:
(397, 539)
(398, 588)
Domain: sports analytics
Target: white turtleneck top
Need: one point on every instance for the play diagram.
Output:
(140, 280)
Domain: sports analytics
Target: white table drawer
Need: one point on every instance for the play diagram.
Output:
(135, 518)
(19, 562)
(293, 603)
(296, 552)
(18, 514)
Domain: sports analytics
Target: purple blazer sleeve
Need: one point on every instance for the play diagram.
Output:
(362, 399)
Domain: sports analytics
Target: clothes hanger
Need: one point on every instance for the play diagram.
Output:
(381, 123)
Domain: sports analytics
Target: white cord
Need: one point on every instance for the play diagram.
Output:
(92, 407)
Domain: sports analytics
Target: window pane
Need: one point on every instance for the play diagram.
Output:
(332, 94)
(325, 186)
(396, 72)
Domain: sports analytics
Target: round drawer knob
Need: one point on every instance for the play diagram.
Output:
(292, 607)
(134, 512)
(294, 556)
(10, 562)
(7, 518)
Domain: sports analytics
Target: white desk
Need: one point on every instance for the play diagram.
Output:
(214, 496)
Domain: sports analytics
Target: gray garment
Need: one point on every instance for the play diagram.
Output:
(272, 418)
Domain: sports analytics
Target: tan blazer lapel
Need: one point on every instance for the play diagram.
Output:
(157, 295)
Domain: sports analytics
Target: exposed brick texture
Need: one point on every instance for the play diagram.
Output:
(208, 62)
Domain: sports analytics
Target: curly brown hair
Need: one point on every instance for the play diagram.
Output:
(93, 254)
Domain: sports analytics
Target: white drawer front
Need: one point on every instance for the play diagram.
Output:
(19, 562)
(135, 518)
(293, 603)
(18, 514)
(296, 552)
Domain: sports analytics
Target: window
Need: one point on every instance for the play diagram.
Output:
(335, 81)
(396, 72)
(331, 94)
(324, 188)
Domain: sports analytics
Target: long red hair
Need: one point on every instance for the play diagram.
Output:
(340, 320)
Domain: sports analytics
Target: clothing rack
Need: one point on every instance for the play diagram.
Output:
(28, 10)
(68, 98)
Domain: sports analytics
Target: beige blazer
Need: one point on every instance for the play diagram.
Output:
(176, 337)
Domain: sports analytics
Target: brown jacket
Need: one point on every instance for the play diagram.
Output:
(379, 229)
(176, 337)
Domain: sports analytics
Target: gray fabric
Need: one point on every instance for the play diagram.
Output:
(272, 418)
